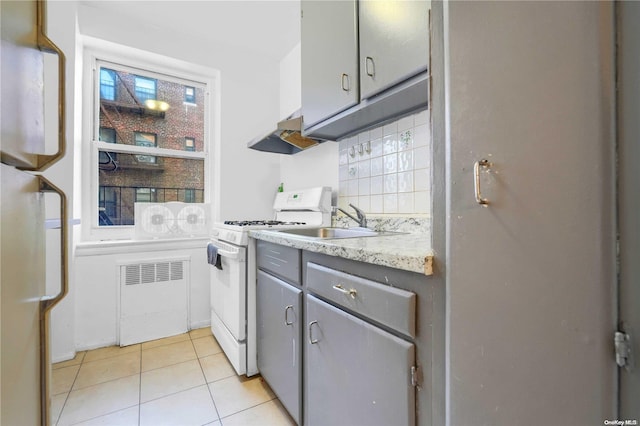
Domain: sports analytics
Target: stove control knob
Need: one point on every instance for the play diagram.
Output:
(215, 233)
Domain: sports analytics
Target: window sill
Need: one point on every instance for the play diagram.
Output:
(93, 248)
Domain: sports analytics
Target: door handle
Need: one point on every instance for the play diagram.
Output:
(346, 86)
(351, 292)
(46, 45)
(310, 329)
(48, 302)
(286, 317)
(476, 180)
(369, 69)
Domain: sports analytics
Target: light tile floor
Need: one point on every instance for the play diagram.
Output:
(181, 380)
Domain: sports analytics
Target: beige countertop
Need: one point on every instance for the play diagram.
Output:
(409, 252)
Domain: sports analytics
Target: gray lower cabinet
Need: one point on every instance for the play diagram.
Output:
(355, 373)
(279, 317)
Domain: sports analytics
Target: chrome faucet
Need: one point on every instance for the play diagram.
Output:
(361, 219)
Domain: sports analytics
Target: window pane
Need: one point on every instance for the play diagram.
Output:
(127, 114)
(168, 179)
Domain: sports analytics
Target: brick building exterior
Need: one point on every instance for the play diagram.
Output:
(128, 116)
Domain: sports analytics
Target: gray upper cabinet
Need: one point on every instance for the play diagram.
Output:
(364, 63)
(330, 81)
(394, 43)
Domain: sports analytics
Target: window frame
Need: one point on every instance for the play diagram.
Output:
(99, 53)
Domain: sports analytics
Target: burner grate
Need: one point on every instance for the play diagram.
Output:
(260, 222)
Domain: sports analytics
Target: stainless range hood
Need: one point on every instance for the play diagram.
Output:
(286, 139)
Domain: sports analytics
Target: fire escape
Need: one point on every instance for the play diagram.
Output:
(114, 113)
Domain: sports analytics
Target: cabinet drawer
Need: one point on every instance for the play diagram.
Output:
(282, 261)
(392, 307)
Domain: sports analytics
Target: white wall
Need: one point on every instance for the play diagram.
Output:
(97, 294)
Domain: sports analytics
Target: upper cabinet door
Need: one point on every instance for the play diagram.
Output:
(394, 43)
(22, 85)
(330, 82)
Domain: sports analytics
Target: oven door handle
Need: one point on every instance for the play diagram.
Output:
(227, 254)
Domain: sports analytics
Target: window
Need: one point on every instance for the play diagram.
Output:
(136, 153)
(146, 195)
(145, 139)
(189, 196)
(145, 88)
(107, 84)
(190, 94)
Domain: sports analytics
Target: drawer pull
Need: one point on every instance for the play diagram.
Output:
(351, 292)
(286, 317)
(311, 339)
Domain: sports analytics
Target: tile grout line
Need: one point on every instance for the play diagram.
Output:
(206, 382)
(70, 389)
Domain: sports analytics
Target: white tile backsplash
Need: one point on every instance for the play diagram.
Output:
(376, 185)
(388, 169)
(364, 168)
(390, 163)
(390, 183)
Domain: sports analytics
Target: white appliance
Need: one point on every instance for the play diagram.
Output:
(233, 288)
(25, 306)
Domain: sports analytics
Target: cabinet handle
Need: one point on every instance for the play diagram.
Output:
(476, 180)
(370, 70)
(311, 339)
(351, 292)
(286, 318)
(346, 86)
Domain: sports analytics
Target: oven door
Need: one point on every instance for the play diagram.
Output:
(229, 289)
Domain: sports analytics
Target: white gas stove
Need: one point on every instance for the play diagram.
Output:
(233, 291)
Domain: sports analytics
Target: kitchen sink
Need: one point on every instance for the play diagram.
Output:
(335, 233)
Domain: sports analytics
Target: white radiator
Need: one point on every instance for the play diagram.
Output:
(154, 299)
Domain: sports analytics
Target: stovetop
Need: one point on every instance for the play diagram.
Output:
(237, 231)
(243, 223)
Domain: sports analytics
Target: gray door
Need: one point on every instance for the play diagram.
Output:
(355, 373)
(530, 276)
(278, 319)
(629, 199)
